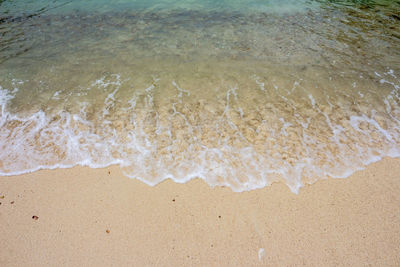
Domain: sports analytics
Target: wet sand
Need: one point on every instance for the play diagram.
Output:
(94, 217)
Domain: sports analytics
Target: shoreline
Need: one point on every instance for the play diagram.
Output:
(100, 217)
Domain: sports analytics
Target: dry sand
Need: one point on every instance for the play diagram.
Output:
(100, 217)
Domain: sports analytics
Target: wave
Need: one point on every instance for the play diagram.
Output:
(239, 138)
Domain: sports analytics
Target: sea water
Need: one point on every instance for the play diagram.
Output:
(238, 93)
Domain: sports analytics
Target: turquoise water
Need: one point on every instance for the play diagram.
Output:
(237, 93)
(102, 6)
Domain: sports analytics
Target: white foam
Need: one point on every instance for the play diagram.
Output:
(160, 146)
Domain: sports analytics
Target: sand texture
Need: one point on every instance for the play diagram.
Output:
(98, 217)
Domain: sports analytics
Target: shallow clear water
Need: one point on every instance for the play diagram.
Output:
(238, 93)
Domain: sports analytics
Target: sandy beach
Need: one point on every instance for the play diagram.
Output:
(192, 126)
(92, 217)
